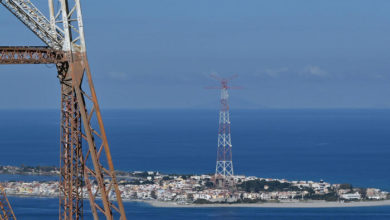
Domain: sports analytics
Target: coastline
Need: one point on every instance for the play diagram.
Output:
(282, 204)
(178, 191)
(279, 204)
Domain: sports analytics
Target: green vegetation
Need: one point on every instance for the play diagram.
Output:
(28, 169)
(332, 196)
(209, 184)
(165, 178)
(138, 182)
(153, 194)
(202, 201)
(250, 200)
(266, 186)
(346, 186)
(38, 169)
(187, 176)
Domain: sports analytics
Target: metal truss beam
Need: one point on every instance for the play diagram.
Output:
(30, 55)
(224, 167)
(71, 159)
(34, 19)
(6, 212)
(79, 108)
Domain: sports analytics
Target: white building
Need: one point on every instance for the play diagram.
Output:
(350, 196)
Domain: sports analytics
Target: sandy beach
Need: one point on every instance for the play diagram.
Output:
(284, 204)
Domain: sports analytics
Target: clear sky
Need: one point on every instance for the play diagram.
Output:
(158, 54)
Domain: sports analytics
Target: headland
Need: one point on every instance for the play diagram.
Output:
(191, 190)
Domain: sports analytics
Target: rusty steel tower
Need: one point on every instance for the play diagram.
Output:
(6, 212)
(224, 166)
(88, 168)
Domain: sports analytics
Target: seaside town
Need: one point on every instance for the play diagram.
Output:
(200, 189)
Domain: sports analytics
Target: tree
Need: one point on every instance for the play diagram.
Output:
(202, 201)
(166, 178)
(269, 186)
(209, 184)
(153, 194)
(190, 196)
(345, 186)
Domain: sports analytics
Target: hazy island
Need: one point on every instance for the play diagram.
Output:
(178, 190)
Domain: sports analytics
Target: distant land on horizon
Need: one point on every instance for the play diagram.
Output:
(211, 109)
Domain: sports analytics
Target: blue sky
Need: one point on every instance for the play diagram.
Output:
(158, 54)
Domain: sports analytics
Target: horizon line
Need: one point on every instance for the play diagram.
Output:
(231, 109)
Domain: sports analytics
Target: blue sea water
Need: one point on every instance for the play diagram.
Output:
(339, 146)
(38, 209)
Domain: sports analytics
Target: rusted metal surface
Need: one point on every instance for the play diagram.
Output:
(6, 212)
(101, 134)
(64, 35)
(30, 55)
(78, 165)
(95, 138)
(71, 159)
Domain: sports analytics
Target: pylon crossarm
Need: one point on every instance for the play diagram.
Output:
(30, 15)
(30, 55)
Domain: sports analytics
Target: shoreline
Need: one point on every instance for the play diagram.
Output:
(279, 204)
(282, 204)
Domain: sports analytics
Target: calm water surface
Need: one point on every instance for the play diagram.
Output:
(339, 146)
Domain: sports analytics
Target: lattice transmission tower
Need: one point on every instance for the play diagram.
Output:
(89, 168)
(6, 212)
(224, 166)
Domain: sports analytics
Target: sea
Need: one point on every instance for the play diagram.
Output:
(335, 145)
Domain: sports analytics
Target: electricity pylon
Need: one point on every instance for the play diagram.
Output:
(224, 166)
(63, 33)
(6, 212)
